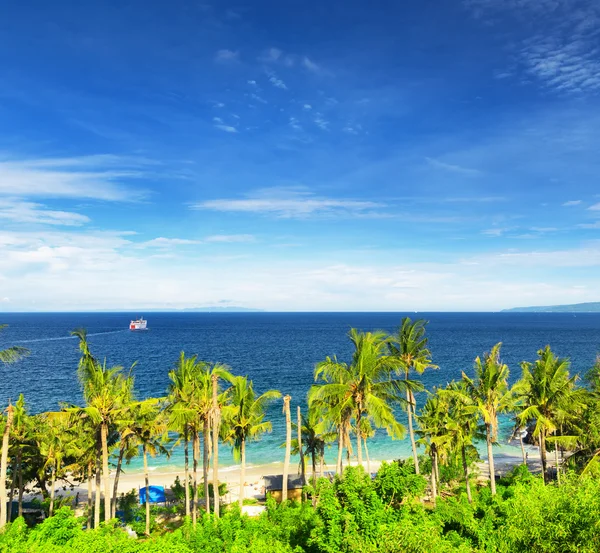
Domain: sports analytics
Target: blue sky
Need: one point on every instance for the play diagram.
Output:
(434, 155)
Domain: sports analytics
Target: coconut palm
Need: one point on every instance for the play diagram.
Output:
(460, 425)
(411, 354)
(288, 447)
(107, 393)
(316, 434)
(432, 433)
(244, 420)
(11, 354)
(21, 440)
(4, 464)
(7, 356)
(181, 413)
(150, 433)
(362, 388)
(548, 391)
(491, 393)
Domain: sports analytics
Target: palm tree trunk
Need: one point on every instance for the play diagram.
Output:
(4, 463)
(556, 460)
(522, 448)
(338, 466)
(20, 468)
(12, 489)
(409, 412)
(147, 482)
(52, 490)
(90, 500)
(288, 448)
(314, 468)
(433, 480)
(488, 438)
(205, 455)
(436, 467)
(321, 461)
(113, 502)
(216, 422)
(106, 474)
(302, 464)
(466, 473)
(358, 436)
(367, 456)
(542, 437)
(186, 470)
(97, 494)
(196, 454)
(242, 472)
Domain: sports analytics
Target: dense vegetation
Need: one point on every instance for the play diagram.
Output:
(431, 503)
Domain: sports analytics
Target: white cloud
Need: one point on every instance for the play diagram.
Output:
(230, 238)
(595, 207)
(271, 55)
(307, 107)
(321, 122)
(571, 203)
(276, 82)
(452, 168)
(162, 242)
(311, 65)
(563, 56)
(290, 202)
(227, 56)
(99, 177)
(295, 124)
(19, 211)
(253, 83)
(496, 232)
(226, 128)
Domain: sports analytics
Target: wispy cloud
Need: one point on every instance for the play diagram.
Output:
(227, 56)
(277, 82)
(19, 211)
(295, 124)
(452, 168)
(290, 202)
(99, 177)
(595, 207)
(321, 122)
(230, 238)
(564, 56)
(225, 128)
(571, 203)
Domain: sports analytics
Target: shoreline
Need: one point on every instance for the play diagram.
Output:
(254, 474)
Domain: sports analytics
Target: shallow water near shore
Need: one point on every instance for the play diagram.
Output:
(276, 350)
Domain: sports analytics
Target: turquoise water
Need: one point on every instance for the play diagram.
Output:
(276, 350)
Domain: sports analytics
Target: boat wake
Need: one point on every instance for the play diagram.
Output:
(55, 338)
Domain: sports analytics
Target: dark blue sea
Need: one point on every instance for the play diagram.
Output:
(276, 350)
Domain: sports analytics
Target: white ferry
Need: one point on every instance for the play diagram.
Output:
(139, 324)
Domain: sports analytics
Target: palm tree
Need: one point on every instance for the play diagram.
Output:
(432, 433)
(150, 431)
(243, 419)
(410, 352)
(316, 433)
(181, 413)
(7, 356)
(549, 390)
(288, 447)
(492, 395)
(21, 438)
(107, 392)
(363, 388)
(11, 354)
(53, 438)
(460, 424)
(5, 443)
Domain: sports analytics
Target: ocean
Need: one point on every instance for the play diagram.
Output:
(276, 350)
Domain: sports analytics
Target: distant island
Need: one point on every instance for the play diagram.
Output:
(589, 307)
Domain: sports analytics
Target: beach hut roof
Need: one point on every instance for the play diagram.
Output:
(275, 482)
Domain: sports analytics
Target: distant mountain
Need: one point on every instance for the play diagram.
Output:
(222, 309)
(589, 307)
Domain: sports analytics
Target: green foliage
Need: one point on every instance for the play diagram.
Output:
(397, 480)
